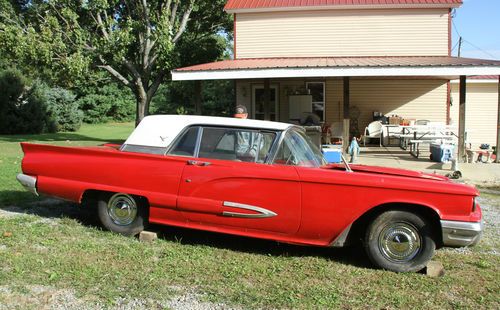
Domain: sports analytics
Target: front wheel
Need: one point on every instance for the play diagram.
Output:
(399, 241)
(122, 213)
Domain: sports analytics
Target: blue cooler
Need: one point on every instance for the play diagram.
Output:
(441, 152)
(332, 153)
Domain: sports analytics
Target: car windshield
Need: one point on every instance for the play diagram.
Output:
(298, 150)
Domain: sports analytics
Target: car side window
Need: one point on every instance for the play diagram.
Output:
(284, 156)
(186, 145)
(296, 150)
(236, 144)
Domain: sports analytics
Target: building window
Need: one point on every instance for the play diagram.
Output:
(317, 90)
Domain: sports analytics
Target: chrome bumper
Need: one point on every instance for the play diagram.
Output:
(28, 182)
(459, 234)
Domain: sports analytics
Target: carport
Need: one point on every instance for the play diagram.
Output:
(267, 70)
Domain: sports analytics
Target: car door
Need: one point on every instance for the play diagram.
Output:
(226, 186)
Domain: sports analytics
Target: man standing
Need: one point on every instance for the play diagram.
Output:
(251, 146)
(241, 112)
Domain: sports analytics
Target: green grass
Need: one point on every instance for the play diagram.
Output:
(11, 192)
(59, 247)
(102, 267)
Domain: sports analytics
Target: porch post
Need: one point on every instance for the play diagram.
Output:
(267, 99)
(497, 160)
(461, 120)
(345, 132)
(197, 97)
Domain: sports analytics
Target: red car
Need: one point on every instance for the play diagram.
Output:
(257, 179)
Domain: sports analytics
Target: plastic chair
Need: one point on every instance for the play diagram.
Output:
(373, 130)
(422, 122)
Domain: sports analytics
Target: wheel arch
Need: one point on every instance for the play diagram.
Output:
(358, 227)
(90, 196)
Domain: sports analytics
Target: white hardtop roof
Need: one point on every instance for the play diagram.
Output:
(161, 130)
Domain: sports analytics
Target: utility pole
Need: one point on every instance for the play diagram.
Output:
(459, 46)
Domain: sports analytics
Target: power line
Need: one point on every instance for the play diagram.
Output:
(455, 28)
(477, 47)
(461, 39)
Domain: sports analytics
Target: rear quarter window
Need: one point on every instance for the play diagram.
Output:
(186, 144)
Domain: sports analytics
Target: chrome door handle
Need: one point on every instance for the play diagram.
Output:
(198, 163)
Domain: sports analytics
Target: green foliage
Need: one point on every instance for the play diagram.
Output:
(217, 98)
(106, 103)
(66, 43)
(23, 109)
(63, 111)
(36, 108)
(32, 36)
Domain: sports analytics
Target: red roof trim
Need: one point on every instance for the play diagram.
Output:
(346, 62)
(263, 5)
(484, 77)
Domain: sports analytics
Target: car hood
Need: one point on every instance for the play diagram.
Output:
(389, 171)
(447, 185)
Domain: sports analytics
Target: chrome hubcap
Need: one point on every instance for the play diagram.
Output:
(399, 242)
(122, 209)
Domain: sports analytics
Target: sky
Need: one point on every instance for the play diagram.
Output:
(478, 22)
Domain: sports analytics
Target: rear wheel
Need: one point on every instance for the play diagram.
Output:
(399, 241)
(122, 213)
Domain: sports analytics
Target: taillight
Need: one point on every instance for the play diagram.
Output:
(474, 204)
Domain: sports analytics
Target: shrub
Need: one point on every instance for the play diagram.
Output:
(23, 109)
(35, 109)
(109, 102)
(63, 111)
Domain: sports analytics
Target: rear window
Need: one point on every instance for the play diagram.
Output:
(143, 149)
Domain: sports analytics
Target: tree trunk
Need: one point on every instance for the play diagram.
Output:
(141, 110)
(143, 100)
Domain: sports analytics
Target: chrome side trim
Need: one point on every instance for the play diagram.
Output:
(262, 213)
(28, 182)
(460, 234)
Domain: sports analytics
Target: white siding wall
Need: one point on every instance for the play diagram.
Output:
(342, 33)
(414, 99)
(481, 112)
(417, 99)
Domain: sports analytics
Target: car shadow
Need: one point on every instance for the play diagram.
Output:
(352, 255)
(55, 208)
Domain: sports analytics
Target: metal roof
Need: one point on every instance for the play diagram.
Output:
(484, 77)
(480, 79)
(234, 6)
(318, 62)
(338, 66)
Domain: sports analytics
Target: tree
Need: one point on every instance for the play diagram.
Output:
(135, 41)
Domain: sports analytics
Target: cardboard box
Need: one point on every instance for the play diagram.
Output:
(394, 120)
